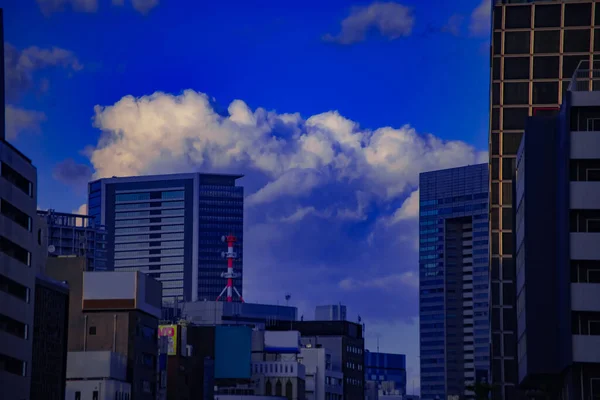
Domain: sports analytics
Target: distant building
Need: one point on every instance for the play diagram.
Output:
(50, 334)
(344, 340)
(323, 381)
(76, 235)
(556, 249)
(386, 367)
(335, 312)
(223, 313)
(454, 280)
(170, 227)
(115, 315)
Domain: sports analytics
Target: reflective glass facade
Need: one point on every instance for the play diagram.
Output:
(454, 280)
(385, 367)
(170, 226)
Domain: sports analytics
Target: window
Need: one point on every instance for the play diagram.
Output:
(578, 14)
(514, 118)
(508, 168)
(15, 251)
(570, 64)
(13, 327)
(547, 16)
(516, 93)
(14, 288)
(511, 143)
(95, 395)
(496, 94)
(545, 93)
(13, 213)
(179, 194)
(546, 42)
(545, 67)
(507, 243)
(518, 17)
(92, 330)
(16, 179)
(495, 126)
(496, 68)
(132, 196)
(577, 41)
(597, 35)
(516, 68)
(497, 42)
(516, 43)
(13, 365)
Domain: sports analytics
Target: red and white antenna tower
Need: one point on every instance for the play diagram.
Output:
(230, 255)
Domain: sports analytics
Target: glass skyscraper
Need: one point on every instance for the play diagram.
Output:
(453, 280)
(170, 226)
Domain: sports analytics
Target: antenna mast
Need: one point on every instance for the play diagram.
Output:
(230, 274)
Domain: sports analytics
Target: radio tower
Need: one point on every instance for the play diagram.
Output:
(230, 255)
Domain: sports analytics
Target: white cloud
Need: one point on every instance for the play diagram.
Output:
(408, 210)
(19, 120)
(142, 6)
(303, 212)
(481, 19)
(389, 282)
(50, 6)
(392, 20)
(454, 24)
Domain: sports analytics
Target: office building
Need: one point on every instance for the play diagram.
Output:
(22, 256)
(323, 381)
(344, 340)
(558, 257)
(536, 47)
(113, 315)
(170, 226)
(223, 313)
(50, 334)
(386, 367)
(453, 279)
(335, 312)
(76, 235)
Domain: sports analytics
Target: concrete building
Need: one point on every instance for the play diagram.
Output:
(384, 368)
(536, 47)
(50, 334)
(97, 375)
(344, 340)
(223, 313)
(454, 280)
(170, 226)
(558, 257)
(76, 235)
(322, 380)
(22, 256)
(335, 312)
(113, 312)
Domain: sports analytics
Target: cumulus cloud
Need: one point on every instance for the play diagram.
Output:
(19, 120)
(392, 20)
(50, 6)
(480, 20)
(315, 187)
(22, 65)
(71, 173)
(408, 210)
(454, 25)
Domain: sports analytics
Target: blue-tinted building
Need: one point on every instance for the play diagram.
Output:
(170, 226)
(453, 280)
(386, 367)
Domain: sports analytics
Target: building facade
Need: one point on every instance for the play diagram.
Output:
(454, 279)
(335, 312)
(558, 258)
(536, 47)
(170, 226)
(386, 367)
(50, 334)
(223, 313)
(78, 235)
(323, 381)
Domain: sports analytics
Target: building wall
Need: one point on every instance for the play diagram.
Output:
(454, 279)
(336, 312)
(382, 367)
(536, 47)
(106, 389)
(21, 257)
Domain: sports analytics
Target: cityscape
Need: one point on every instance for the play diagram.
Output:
(399, 200)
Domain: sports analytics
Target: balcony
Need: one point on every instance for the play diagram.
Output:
(585, 297)
(584, 246)
(585, 145)
(585, 195)
(586, 348)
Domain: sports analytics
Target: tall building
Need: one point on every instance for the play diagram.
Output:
(335, 312)
(170, 226)
(76, 235)
(558, 258)
(22, 256)
(454, 280)
(536, 47)
(386, 367)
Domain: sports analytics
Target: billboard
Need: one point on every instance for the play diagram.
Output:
(233, 349)
(170, 332)
(282, 342)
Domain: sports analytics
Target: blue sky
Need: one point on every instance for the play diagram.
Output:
(331, 109)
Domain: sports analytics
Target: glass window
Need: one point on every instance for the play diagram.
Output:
(597, 35)
(15, 251)
(495, 169)
(516, 68)
(545, 93)
(131, 206)
(495, 136)
(516, 93)
(497, 42)
(578, 14)
(570, 64)
(546, 42)
(547, 16)
(545, 67)
(176, 194)
(495, 94)
(13, 213)
(511, 142)
(496, 68)
(514, 118)
(16, 179)
(508, 168)
(577, 41)
(518, 17)
(132, 196)
(516, 42)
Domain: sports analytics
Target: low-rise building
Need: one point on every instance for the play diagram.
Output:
(97, 375)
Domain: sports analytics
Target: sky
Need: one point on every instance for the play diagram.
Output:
(330, 110)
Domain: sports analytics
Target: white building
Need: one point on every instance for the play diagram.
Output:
(97, 375)
(322, 380)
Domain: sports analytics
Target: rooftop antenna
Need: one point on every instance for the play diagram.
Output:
(230, 274)
(287, 299)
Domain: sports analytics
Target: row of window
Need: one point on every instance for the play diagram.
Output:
(574, 41)
(16, 179)
(13, 250)
(147, 213)
(137, 206)
(455, 209)
(143, 261)
(142, 253)
(167, 195)
(155, 228)
(546, 15)
(151, 237)
(17, 216)
(544, 67)
(146, 221)
(455, 199)
(14, 327)
(156, 245)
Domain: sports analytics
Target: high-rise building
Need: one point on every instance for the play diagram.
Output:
(558, 257)
(386, 367)
(335, 312)
(170, 226)
(536, 47)
(76, 235)
(22, 256)
(454, 280)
